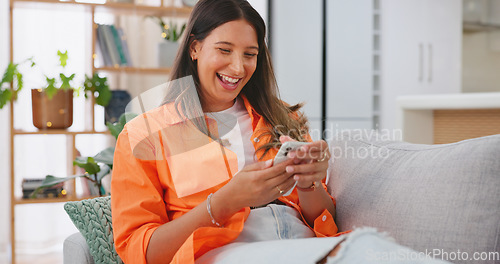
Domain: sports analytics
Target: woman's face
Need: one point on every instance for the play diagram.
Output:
(227, 58)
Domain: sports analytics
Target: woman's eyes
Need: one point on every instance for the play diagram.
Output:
(226, 51)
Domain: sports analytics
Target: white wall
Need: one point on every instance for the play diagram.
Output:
(4, 138)
(261, 7)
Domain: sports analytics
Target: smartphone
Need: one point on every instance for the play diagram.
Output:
(286, 148)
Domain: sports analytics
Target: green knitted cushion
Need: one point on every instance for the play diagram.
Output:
(92, 217)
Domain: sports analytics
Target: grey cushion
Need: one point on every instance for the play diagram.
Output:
(428, 197)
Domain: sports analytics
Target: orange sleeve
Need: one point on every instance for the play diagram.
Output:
(324, 224)
(137, 204)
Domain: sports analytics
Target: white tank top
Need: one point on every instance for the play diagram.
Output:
(235, 130)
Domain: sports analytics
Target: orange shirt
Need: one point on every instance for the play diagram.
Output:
(164, 167)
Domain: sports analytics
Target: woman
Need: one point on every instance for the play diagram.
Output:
(194, 179)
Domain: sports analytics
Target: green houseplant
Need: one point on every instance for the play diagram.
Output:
(170, 33)
(97, 86)
(12, 74)
(53, 104)
(96, 167)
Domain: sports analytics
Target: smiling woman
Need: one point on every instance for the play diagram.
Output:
(200, 166)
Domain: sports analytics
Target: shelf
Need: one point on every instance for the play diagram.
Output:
(50, 200)
(121, 8)
(136, 70)
(57, 132)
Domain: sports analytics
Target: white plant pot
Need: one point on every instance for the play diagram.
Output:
(167, 51)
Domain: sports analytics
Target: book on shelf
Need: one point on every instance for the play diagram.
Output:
(126, 51)
(102, 48)
(118, 44)
(112, 43)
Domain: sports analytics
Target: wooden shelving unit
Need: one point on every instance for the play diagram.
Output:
(114, 8)
(57, 132)
(50, 200)
(111, 7)
(134, 70)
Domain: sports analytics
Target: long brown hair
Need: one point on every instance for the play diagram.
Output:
(261, 90)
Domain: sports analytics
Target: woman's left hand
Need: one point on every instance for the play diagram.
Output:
(311, 162)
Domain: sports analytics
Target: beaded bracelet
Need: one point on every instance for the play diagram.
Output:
(209, 209)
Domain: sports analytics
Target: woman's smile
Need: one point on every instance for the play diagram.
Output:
(227, 82)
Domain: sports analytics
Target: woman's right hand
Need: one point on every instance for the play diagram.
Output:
(255, 185)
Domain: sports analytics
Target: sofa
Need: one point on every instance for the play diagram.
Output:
(441, 200)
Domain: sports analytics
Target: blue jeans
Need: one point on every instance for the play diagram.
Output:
(276, 234)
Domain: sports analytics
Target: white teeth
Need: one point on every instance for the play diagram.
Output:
(229, 79)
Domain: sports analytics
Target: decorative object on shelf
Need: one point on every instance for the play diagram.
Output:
(189, 3)
(166, 53)
(96, 167)
(116, 106)
(12, 75)
(98, 86)
(112, 43)
(53, 106)
(53, 113)
(167, 49)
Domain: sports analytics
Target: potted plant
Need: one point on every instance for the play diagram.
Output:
(171, 34)
(53, 105)
(12, 75)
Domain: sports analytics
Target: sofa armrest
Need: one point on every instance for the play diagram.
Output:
(76, 250)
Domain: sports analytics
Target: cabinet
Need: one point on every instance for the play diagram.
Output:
(70, 137)
(378, 50)
(420, 51)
